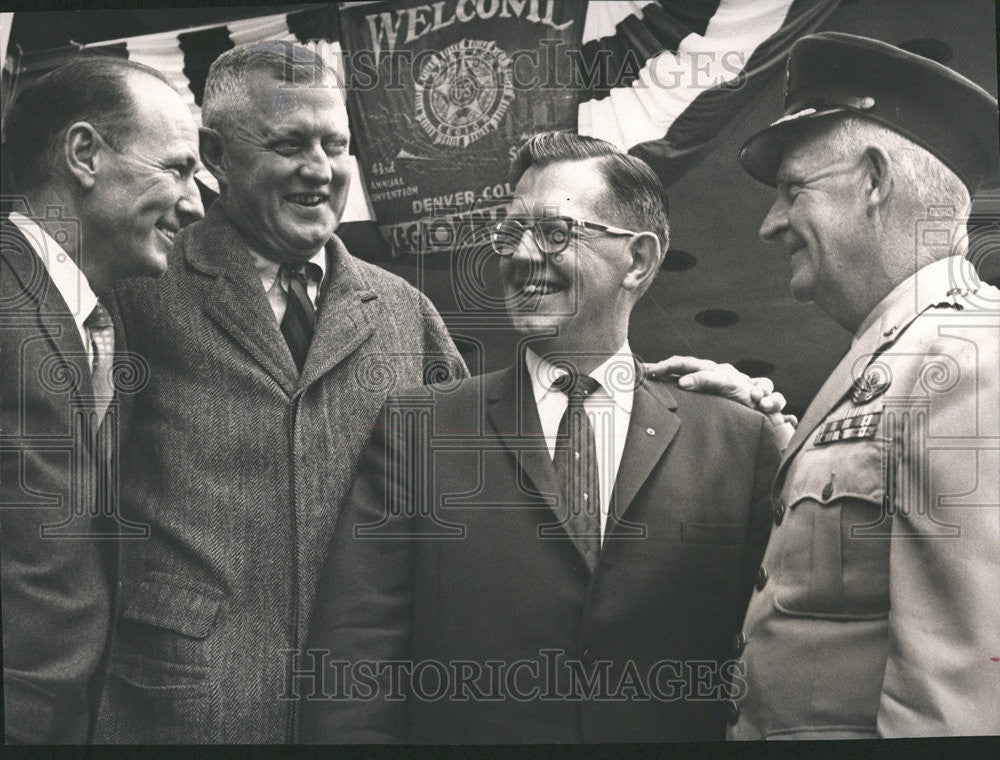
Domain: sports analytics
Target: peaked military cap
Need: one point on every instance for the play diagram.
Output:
(940, 110)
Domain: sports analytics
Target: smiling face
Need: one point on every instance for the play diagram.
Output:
(286, 168)
(820, 219)
(144, 191)
(577, 292)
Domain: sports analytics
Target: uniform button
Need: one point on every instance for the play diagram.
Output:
(828, 490)
(733, 711)
(761, 578)
(739, 643)
(588, 658)
(779, 514)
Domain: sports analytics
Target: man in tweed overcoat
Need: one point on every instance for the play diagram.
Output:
(234, 458)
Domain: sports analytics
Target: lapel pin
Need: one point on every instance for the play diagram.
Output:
(650, 431)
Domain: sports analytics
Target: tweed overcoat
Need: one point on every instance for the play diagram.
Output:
(451, 559)
(57, 574)
(238, 465)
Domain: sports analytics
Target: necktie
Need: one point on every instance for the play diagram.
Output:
(102, 338)
(576, 465)
(300, 315)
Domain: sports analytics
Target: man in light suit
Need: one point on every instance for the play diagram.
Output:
(877, 610)
(101, 155)
(560, 551)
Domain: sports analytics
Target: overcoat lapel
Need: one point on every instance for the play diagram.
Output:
(237, 303)
(341, 325)
(235, 298)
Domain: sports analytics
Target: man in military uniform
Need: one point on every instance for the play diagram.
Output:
(877, 604)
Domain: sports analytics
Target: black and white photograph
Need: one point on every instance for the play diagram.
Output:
(501, 372)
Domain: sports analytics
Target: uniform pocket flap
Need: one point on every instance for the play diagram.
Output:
(189, 609)
(857, 472)
(713, 533)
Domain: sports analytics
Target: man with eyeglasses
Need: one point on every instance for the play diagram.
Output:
(877, 604)
(560, 551)
(100, 156)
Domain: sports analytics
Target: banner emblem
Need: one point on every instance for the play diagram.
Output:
(463, 92)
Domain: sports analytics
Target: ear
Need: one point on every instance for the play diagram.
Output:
(878, 180)
(213, 150)
(644, 249)
(81, 150)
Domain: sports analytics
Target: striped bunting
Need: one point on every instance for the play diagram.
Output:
(701, 63)
(660, 79)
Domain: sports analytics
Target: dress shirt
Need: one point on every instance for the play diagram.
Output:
(276, 288)
(609, 409)
(71, 283)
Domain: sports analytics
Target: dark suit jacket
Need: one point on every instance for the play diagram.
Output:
(56, 585)
(449, 551)
(238, 464)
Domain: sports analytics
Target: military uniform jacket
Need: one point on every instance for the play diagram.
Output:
(237, 464)
(877, 609)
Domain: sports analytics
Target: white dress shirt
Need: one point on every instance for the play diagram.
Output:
(71, 283)
(276, 288)
(609, 409)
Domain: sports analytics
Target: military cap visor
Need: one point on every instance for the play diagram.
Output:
(834, 74)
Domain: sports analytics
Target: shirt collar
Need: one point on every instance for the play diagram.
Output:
(616, 376)
(267, 269)
(939, 281)
(69, 280)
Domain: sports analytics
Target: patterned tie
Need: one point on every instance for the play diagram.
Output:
(300, 315)
(102, 339)
(576, 465)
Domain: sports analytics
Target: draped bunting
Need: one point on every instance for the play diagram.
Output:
(711, 57)
(661, 79)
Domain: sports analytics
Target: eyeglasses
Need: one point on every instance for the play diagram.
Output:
(551, 233)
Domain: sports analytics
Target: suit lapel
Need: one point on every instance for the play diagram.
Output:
(235, 300)
(651, 428)
(341, 325)
(54, 318)
(512, 412)
(514, 416)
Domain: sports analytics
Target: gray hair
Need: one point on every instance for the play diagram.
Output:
(933, 185)
(227, 86)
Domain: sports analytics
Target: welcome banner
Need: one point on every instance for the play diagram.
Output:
(440, 95)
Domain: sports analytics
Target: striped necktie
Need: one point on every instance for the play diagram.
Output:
(575, 463)
(102, 340)
(300, 315)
